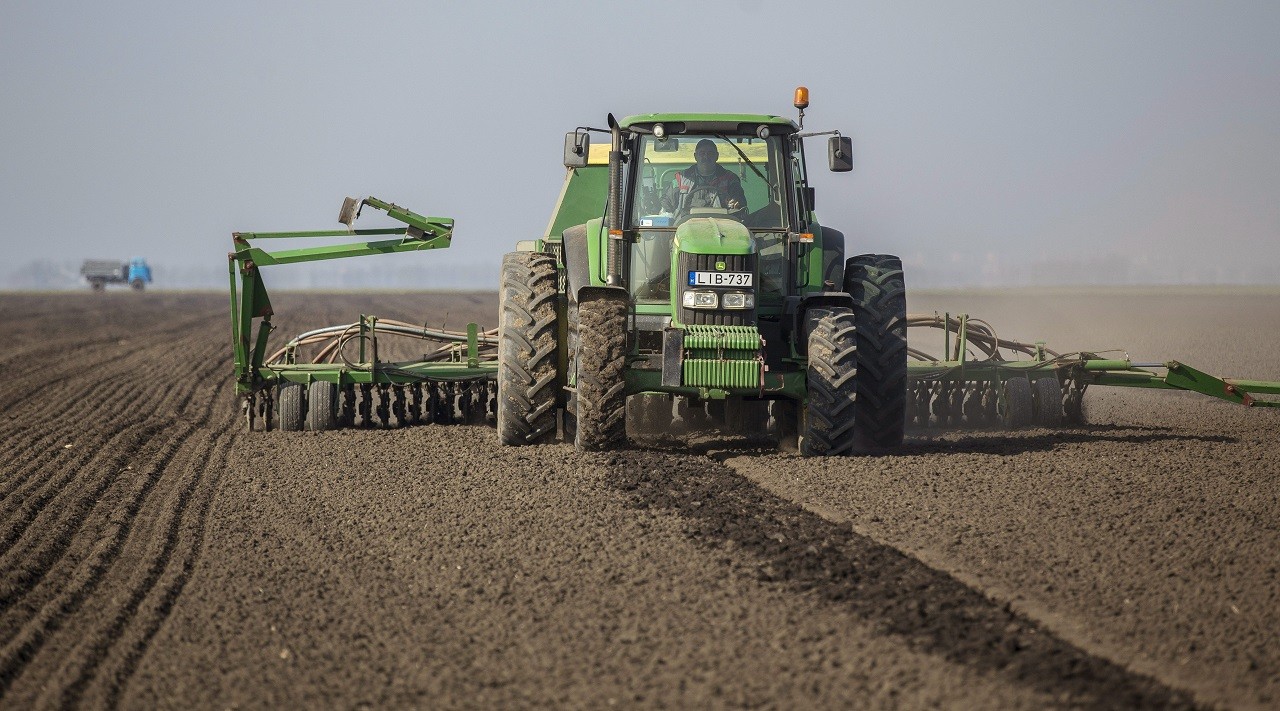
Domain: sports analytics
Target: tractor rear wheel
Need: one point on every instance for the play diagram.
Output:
(292, 405)
(527, 343)
(1048, 406)
(828, 424)
(600, 388)
(1016, 408)
(322, 406)
(878, 288)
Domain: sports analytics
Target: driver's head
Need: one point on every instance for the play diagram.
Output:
(706, 154)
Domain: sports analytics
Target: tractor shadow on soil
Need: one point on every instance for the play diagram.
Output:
(782, 544)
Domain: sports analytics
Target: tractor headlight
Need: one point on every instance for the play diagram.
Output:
(701, 300)
(738, 300)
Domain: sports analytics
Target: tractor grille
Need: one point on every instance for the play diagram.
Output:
(707, 263)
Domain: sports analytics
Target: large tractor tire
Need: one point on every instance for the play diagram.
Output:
(828, 426)
(527, 358)
(292, 405)
(878, 288)
(600, 360)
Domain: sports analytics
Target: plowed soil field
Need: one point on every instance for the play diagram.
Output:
(153, 554)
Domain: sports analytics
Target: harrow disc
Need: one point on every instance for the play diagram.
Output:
(975, 413)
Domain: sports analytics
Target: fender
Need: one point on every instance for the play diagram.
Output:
(832, 257)
(577, 260)
(795, 313)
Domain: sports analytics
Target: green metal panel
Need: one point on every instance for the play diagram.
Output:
(790, 386)
(809, 264)
(716, 373)
(596, 237)
(582, 198)
(710, 235)
(745, 338)
(779, 121)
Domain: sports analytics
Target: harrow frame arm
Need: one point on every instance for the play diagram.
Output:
(250, 301)
(1083, 368)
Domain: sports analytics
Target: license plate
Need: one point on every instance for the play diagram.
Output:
(719, 278)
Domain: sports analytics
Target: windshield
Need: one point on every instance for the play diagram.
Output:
(690, 174)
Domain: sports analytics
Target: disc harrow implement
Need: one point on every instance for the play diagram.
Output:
(983, 380)
(345, 383)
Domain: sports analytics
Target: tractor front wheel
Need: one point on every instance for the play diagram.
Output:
(828, 426)
(599, 364)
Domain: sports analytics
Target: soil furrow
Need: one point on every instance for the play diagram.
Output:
(52, 433)
(116, 527)
(23, 645)
(110, 410)
(173, 545)
(102, 458)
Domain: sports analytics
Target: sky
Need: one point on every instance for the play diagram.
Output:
(985, 133)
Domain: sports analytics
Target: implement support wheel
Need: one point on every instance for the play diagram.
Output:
(600, 388)
(878, 288)
(292, 404)
(322, 406)
(1048, 402)
(527, 349)
(828, 424)
(1016, 407)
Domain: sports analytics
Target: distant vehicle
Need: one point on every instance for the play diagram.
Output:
(100, 272)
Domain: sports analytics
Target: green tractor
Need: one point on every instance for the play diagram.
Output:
(684, 263)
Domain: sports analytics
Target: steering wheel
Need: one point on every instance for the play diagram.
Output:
(711, 197)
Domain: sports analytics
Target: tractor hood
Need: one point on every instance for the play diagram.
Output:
(714, 235)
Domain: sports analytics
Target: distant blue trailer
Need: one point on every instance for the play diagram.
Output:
(100, 272)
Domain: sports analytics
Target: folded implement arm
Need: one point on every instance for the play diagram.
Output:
(975, 384)
(458, 374)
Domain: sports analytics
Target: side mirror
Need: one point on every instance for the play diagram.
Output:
(666, 145)
(576, 145)
(840, 154)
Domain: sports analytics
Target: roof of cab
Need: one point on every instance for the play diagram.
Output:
(714, 122)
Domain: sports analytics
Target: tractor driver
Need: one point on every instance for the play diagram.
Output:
(705, 183)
